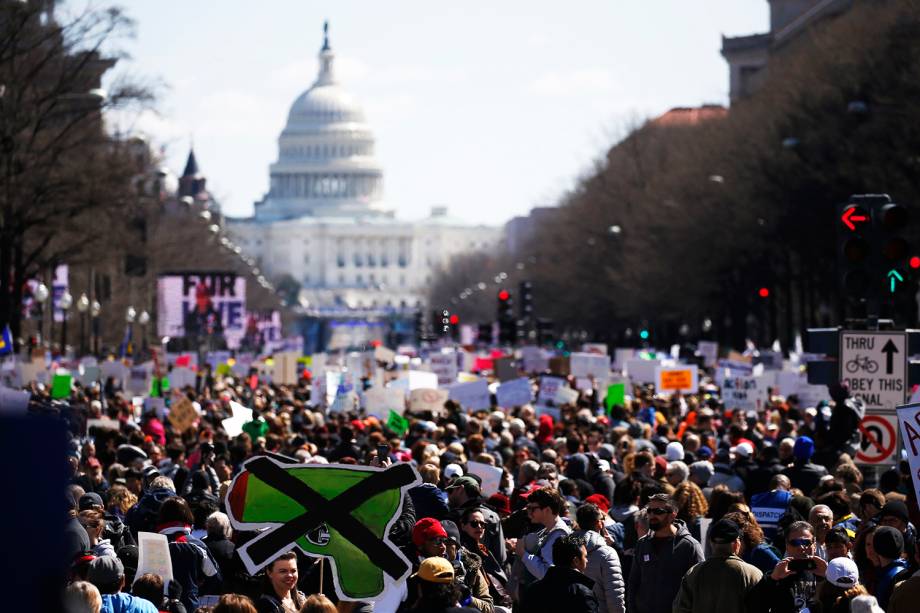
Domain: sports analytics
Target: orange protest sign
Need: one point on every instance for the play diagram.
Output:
(676, 379)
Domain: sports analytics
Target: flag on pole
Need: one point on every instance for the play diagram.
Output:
(125, 347)
(6, 341)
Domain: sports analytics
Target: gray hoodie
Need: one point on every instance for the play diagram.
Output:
(604, 568)
(658, 567)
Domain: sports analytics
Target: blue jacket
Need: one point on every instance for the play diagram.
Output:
(126, 603)
(429, 501)
(884, 581)
(192, 563)
(768, 508)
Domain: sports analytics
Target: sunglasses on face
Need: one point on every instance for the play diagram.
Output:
(476, 524)
(801, 542)
(658, 511)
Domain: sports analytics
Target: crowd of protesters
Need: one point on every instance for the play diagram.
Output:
(669, 503)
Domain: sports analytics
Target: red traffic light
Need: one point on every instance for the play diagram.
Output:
(763, 292)
(915, 262)
(503, 295)
(854, 214)
(454, 320)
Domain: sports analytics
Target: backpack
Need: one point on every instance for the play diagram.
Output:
(521, 578)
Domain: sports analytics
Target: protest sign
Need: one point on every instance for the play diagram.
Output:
(415, 379)
(745, 393)
(153, 556)
(471, 396)
(339, 512)
(14, 402)
(909, 418)
(33, 371)
(549, 386)
(428, 400)
(641, 371)
(102, 424)
(444, 365)
(115, 370)
(534, 360)
(709, 351)
(89, 375)
(491, 476)
(514, 393)
(60, 385)
(234, 425)
(595, 348)
(182, 414)
(181, 377)
(554, 412)
(682, 379)
(616, 396)
(810, 395)
(284, 368)
(589, 364)
(397, 423)
(622, 355)
(10, 375)
(137, 382)
(379, 401)
(565, 395)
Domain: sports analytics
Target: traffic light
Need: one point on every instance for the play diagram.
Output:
(419, 321)
(545, 331)
(507, 323)
(484, 334)
(873, 253)
(454, 323)
(763, 292)
(525, 295)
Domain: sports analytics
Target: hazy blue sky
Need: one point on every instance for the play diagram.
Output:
(489, 108)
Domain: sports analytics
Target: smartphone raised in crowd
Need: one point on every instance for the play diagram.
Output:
(801, 565)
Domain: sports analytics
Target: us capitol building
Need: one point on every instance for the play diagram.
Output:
(323, 220)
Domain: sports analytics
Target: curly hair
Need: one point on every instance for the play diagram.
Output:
(751, 532)
(691, 503)
(121, 498)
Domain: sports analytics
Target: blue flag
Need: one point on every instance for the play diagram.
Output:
(6, 341)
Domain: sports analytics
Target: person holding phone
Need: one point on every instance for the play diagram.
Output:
(792, 586)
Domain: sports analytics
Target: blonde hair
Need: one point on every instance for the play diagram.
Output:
(121, 498)
(82, 597)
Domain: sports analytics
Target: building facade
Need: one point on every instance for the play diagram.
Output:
(748, 56)
(324, 224)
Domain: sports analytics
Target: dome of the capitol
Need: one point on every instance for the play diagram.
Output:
(326, 164)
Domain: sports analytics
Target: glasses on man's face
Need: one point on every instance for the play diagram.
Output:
(801, 542)
(657, 511)
(476, 523)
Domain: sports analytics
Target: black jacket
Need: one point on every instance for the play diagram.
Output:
(561, 590)
(786, 595)
(805, 475)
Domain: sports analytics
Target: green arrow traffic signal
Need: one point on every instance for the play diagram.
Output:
(894, 276)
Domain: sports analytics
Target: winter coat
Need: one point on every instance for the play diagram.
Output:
(718, 584)
(657, 569)
(905, 596)
(126, 603)
(538, 558)
(142, 517)
(724, 475)
(269, 602)
(884, 583)
(429, 501)
(468, 571)
(192, 563)
(494, 538)
(103, 548)
(604, 569)
(805, 475)
(785, 595)
(76, 540)
(562, 590)
(117, 532)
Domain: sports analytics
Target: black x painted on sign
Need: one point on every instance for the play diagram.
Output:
(336, 512)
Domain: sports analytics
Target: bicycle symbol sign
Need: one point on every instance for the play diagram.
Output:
(873, 365)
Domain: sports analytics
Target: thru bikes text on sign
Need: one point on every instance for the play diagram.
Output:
(874, 367)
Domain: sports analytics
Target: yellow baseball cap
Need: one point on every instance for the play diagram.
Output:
(435, 570)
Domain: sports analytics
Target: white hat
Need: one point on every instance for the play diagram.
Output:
(452, 470)
(674, 451)
(864, 604)
(603, 465)
(842, 572)
(743, 450)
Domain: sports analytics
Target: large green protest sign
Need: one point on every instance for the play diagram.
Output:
(340, 512)
(616, 395)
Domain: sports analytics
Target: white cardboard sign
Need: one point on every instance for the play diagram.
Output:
(491, 476)
(472, 396)
(379, 401)
(428, 400)
(514, 393)
(585, 364)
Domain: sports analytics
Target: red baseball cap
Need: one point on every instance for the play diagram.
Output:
(425, 529)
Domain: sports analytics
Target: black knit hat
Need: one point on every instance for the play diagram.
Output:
(888, 542)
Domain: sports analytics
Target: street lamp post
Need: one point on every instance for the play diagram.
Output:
(65, 303)
(83, 307)
(143, 319)
(41, 294)
(94, 310)
(130, 316)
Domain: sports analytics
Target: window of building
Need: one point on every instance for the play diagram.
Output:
(359, 278)
(306, 258)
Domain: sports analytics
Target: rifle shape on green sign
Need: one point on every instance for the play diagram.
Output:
(340, 512)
